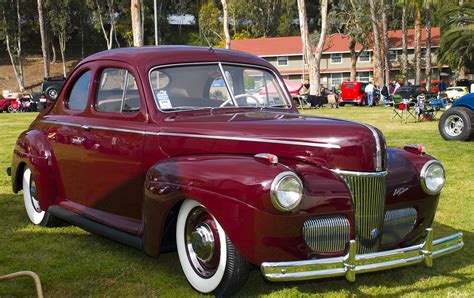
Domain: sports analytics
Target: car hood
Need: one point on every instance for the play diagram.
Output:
(330, 143)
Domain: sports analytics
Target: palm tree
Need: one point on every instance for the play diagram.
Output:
(377, 48)
(457, 43)
(418, 5)
(404, 62)
(428, 44)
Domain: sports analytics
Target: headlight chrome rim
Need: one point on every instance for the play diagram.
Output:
(424, 174)
(274, 188)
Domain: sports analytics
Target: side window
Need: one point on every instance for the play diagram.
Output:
(117, 92)
(79, 93)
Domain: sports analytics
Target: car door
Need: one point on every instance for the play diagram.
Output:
(112, 168)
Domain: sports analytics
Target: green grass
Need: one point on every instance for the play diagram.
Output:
(72, 262)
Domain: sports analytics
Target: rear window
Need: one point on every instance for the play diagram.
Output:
(349, 86)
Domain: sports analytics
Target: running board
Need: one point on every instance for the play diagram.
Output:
(96, 228)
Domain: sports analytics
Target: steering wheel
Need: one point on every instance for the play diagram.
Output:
(255, 99)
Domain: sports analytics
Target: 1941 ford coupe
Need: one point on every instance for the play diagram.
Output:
(201, 150)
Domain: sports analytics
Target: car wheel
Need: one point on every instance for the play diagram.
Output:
(456, 124)
(10, 109)
(33, 209)
(208, 258)
(52, 92)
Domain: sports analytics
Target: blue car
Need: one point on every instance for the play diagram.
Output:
(457, 123)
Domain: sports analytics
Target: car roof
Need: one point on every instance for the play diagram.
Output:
(150, 56)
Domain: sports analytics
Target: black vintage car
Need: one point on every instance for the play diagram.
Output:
(51, 87)
(410, 92)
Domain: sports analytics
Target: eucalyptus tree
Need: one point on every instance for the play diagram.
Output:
(44, 38)
(313, 58)
(225, 23)
(11, 35)
(351, 17)
(59, 17)
(105, 13)
(136, 9)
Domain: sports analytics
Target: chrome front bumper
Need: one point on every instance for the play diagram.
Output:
(352, 263)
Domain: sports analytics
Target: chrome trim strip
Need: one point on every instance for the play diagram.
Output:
(359, 174)
(378, 147)
(243, 139)
(227, 85)
(352, 264)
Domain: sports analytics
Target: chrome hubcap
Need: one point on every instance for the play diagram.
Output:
(454, 125)
(202, 242)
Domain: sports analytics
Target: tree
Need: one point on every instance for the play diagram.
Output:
(136, 8)
(104, 10)
(378, 74)
(350, 17)
(59, 12)
(428, 45)
(12, 38)
(386, 44)
(44, 39)
(211, 28)
(404, 64)
(313, 59)
(418, 5)
(226, 23)
(457, 42)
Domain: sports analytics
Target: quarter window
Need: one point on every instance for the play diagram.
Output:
(282, 60)
(336, 58)
(79, 93)
(117, 92)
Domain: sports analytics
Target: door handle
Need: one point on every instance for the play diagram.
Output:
(86, 127)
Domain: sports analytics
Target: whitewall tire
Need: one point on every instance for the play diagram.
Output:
(208, 258)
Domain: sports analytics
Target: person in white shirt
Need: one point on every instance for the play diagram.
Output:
(369, 90)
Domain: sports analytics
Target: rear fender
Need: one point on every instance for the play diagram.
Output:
(229, 186)
(33, 150)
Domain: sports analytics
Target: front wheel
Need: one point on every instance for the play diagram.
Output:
(35, 214)
(456, 124)
(208, 258)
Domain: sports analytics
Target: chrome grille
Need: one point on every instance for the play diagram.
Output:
(368, 199)
(397, 224)
(327, 234)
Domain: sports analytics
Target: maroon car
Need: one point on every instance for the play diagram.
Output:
(201, 150)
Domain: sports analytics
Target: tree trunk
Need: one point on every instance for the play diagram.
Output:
(137, 23)
(417, 58)
(44, 39)
(428, 47)
(53, 49)
(386, 44)
(226, 24)
(377, 49)
(352, 46)
(62, 49)
(319, 48)
(21, 77)
(82, 37)
(108, 37)
(307, 53)
(404, 45)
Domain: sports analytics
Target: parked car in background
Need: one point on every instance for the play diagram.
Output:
(141, 148)
(410, 91)
(454, 93)
(51, 87)
(353, 93)
(9, 103)
(457, 122)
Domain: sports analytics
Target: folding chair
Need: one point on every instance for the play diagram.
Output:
(401, 109)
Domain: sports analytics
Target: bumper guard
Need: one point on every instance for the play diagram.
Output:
(352, 263)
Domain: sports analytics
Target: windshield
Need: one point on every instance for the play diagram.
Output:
(191, 87)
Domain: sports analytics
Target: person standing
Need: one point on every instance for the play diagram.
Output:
(385, 93)
(369, 90)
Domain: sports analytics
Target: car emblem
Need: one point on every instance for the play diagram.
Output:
(374, 233)
(399, 191)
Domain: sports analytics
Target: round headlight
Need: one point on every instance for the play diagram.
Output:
(286, 191)
(432, 177)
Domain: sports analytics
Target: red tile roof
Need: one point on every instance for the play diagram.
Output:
(335, 43)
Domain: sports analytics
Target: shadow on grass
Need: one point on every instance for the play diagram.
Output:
(63, 246)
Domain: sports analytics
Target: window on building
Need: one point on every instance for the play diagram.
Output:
(423, 53)
(392, 55)
(282, 60)
(336, 58)
(336, 79)
(363, 76)
(364, 56)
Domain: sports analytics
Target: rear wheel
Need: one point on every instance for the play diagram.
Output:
(457, 124)
(208, 258)
(10, 109)
(35, 214)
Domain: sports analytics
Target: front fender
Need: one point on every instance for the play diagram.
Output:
(221, 183)
(33, 150)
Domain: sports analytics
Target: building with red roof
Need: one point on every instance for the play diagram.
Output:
(286, 54)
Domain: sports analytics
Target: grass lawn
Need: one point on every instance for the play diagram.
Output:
(72, 262)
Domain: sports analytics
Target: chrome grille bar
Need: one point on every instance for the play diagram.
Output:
(368, 199)
(327, 234)
(397, 224)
